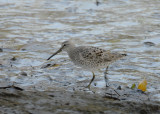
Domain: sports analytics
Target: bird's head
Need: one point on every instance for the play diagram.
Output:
(66, 46)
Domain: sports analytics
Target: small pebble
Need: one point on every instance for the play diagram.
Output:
(66, 103)
(23, 49)
(51, 95)
(140, 91)
(97, 2)
(23, 74)
(119, 88)
(1, 50)
(45, 66)
(13, 59)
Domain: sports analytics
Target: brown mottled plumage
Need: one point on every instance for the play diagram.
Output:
(87, 57)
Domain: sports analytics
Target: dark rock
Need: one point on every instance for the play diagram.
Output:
(119, 88)
(1, 50)
(23, 49)
(23, 74)
(66, 103)
(13, 59)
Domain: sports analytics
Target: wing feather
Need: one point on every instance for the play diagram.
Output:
(91, 54)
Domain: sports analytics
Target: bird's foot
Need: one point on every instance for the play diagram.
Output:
(88, 87)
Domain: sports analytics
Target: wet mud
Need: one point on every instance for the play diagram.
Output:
(49, 102)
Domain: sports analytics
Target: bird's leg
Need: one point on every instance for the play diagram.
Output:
(105, 77)
(91, 80)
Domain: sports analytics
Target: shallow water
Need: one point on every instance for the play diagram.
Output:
(32, 30)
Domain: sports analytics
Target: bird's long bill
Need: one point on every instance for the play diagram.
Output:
(55, 53)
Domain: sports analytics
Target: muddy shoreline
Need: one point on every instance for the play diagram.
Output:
(49, 102)
(32, 30)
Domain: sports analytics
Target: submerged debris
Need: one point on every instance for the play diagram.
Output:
(109, 96)
(1, 50)
(143, 85)
(46, 66)
(50, 65)
(149, 43)
(12, 86)
(133, 86)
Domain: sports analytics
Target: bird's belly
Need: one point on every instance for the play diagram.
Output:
(90, 65)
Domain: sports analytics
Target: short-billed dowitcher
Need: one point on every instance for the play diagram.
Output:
(90, 58)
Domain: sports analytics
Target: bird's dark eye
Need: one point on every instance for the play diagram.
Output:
(64, 44)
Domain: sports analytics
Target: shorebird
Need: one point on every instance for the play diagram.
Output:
(90, 58)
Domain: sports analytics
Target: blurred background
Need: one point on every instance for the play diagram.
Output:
(30, 31)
